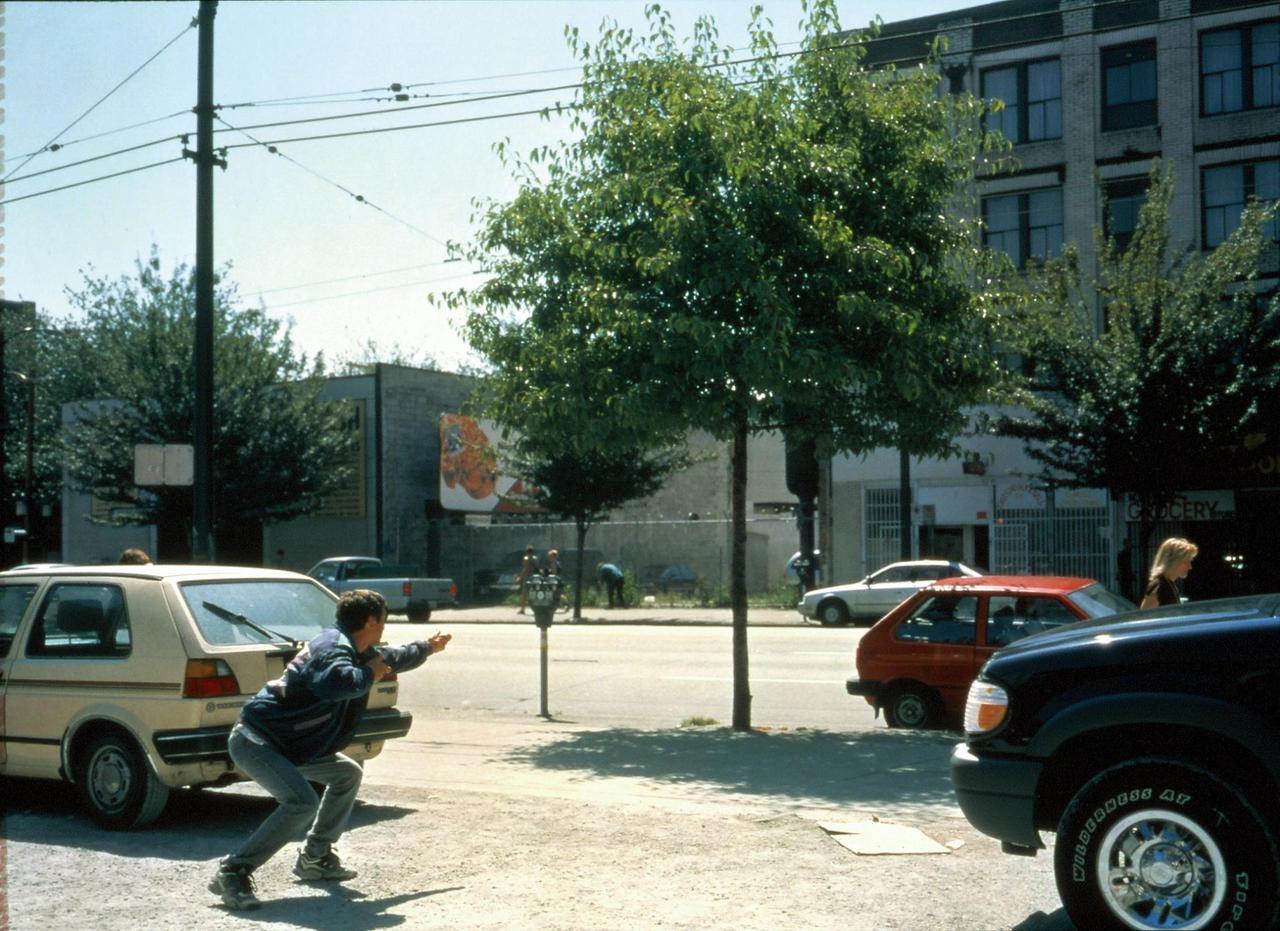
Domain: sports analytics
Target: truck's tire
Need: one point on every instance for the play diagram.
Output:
(419, 614)
(1163, 843)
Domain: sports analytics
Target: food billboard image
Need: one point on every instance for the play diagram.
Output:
(471, 476)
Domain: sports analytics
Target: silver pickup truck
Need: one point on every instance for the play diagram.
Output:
(405, 594)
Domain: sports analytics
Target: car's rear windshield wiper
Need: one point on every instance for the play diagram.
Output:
(227, 615)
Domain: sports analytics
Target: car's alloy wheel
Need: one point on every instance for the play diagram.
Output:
(117, 787)
(1159, 843)
(833, 611)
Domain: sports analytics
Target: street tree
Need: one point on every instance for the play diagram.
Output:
(275, 446)
(1163, 396)
(744, 244)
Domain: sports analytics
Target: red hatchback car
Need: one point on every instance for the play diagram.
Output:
(917, 661)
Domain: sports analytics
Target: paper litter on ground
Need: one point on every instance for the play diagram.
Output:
(875, 838)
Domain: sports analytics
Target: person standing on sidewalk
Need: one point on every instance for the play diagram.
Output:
(289, 735)
(1171, 565)
(528, 566)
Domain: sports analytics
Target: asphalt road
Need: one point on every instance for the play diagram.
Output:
(649, 676)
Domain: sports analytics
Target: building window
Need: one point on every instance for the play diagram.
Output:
(1123, 203)
(1226, 189)
(1032, 95)
(1240, 68)
(1026, 227)
(1129, 86)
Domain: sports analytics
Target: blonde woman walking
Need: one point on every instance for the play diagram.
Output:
(1172, 563)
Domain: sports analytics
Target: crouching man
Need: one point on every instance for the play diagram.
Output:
(289, 735)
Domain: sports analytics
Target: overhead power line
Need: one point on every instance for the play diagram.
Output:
(386, 271)
(46, 147)
(393, 287)
(66, 187)
(359, 198)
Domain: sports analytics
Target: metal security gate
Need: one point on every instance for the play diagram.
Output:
(1010, 550)
(1049, 541)
(881, 543)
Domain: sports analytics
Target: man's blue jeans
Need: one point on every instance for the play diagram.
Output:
(289, 784)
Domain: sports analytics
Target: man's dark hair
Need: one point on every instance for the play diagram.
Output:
(135, 557)
(356, 606)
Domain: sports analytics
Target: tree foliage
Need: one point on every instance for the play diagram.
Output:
(740, 244)
(1160, 400)
(275, 444)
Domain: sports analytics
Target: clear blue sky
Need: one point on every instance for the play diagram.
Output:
(279, 225)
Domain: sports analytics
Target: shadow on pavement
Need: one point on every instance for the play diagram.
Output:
(195, 825)
(1056, 920)
(868, 768)
(343, 910)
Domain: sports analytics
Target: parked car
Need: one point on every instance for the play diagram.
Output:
(667, 577)
(878, 593)
(399, 585)
(126, 680)
(916, 663)
(1150, 743)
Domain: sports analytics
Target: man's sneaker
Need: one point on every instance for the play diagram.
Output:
(235, 886)
(326, 867)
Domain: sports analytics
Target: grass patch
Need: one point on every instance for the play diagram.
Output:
(699, 721)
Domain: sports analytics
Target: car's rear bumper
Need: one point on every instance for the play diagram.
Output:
(998, 795)
(209, 744)
(865, 687)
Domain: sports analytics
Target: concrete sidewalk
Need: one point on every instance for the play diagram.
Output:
(641, 614)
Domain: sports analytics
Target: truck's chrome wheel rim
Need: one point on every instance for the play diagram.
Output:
(110, 777)
(1159, 869)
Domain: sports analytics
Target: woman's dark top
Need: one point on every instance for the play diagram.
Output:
(1166, 593)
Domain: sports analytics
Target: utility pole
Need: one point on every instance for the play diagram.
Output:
(202, 544)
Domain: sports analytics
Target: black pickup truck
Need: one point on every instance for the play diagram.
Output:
(1150, 743)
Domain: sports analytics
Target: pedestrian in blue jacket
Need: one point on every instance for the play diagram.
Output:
(289, 735)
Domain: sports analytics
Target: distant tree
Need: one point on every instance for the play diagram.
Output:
(363, 358)
(1162, 398)
(742, 245)
(276, 445)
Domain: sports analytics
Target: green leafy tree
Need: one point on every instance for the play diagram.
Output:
(275, 444)
(1161, 399)
(745, 244)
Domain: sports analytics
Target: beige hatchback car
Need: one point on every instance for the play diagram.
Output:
(126, 680)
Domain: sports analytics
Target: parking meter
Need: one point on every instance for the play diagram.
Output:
(544, 594)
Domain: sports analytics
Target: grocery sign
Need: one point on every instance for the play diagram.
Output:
(1189, 505)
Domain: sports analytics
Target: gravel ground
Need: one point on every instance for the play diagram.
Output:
(509, 860)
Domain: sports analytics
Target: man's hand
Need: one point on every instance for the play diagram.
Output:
(439, 642)
(380, 669)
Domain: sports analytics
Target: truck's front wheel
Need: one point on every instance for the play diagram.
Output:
(419, 614)
(1161, 843)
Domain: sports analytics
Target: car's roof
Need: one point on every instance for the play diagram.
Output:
(1030, 584)
(153, 571)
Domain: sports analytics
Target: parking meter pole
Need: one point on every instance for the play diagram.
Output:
(544, 712)
(544, 593)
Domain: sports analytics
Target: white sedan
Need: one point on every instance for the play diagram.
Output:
(879, 592)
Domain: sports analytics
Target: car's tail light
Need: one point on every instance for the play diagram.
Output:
(986, 707)
(209, 678)
(406, 588)
(453, 589)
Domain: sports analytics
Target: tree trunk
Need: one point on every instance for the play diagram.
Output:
(738, 576)
(577, 583)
